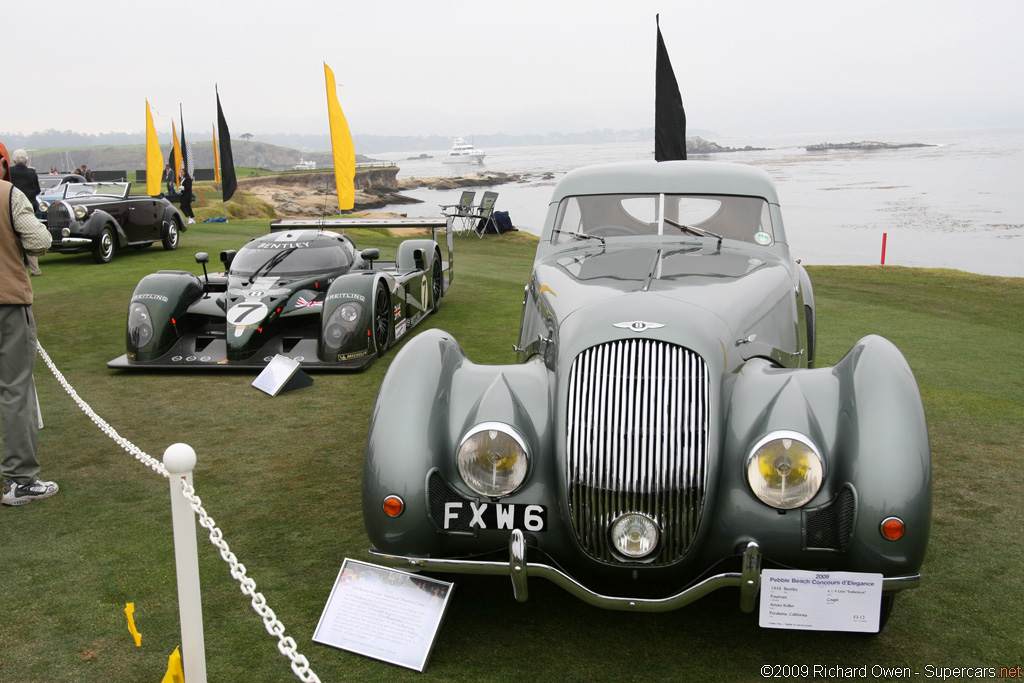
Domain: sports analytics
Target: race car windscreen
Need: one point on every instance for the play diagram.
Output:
(300, 258)
(747, 219)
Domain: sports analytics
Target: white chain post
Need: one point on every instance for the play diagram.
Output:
(180, 460)
(286, 645)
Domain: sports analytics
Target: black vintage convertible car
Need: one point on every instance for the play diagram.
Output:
(104, 217)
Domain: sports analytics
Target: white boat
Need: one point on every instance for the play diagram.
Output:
(304, 165)
(463, 152)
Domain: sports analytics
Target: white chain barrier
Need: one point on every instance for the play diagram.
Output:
(286, 644)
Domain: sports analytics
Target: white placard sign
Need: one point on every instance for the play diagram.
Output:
(384, 613)
(820, 601)
(277, 373)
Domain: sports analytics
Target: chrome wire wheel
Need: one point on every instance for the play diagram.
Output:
(103, 250)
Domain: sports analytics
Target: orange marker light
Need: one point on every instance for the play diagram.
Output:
(393, 506)
(892, 528)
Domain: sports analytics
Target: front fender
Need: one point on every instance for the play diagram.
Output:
(167, 295)
(409, 435)
(99, 219)
(866, 416)
(357, 287)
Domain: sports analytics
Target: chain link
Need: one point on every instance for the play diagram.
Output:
(286, 644)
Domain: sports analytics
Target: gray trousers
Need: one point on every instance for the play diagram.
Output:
(19, 415)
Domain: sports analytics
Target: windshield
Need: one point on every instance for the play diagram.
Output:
(302, 258)
(747, 219)
(119, 190)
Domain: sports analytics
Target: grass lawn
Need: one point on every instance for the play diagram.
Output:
(281, 477)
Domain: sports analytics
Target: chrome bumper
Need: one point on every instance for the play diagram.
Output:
(75, 241)
(748, 579)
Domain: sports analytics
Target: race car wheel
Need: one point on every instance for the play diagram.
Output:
(436, 282)
(381, 317)
(103, 248)
(170, 238)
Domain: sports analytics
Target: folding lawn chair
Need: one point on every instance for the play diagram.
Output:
(483, 213)
(462, 219)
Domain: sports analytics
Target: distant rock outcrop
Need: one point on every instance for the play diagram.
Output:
(864, 145)
(698, 145)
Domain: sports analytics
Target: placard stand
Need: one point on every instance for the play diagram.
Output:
(384, 613)
(281, 374)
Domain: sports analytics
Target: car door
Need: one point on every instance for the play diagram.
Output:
(143, 224)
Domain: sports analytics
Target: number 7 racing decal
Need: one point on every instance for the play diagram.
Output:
(245, 315)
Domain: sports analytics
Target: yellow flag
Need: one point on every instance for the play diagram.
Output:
(177, 154)
(154, 159)
(129, 607)
(175, 674)
(341, 145)
(216, 159)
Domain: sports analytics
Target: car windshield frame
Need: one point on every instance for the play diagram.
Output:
(301, 259)
(657, 215)
(116, 190)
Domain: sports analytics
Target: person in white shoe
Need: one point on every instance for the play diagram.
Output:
(20, 234)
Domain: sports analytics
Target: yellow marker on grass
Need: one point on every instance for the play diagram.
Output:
(129, 611)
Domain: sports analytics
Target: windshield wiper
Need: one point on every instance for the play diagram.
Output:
(271, 263)
(699, 232)
(581, 235)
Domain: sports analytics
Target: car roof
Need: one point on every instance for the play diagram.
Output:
(670, 177)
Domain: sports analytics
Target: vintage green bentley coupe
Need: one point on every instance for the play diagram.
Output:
(301, 292)
(665, 433)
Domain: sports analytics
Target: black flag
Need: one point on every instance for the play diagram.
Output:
(227, 162)
(669, 117)
(188, 164)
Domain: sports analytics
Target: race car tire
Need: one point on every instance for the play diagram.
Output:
(381, 318)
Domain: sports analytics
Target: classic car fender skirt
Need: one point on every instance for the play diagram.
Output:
(866, 415)
(519, 569)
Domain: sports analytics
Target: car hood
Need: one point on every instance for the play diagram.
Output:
(736, 291)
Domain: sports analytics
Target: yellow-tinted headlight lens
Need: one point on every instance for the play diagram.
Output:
(493, 460)
(785, 470)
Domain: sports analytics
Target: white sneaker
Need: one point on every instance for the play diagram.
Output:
(191, 221)
(19, 494)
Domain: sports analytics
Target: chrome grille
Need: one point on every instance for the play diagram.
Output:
(57, 217)
(637, 441)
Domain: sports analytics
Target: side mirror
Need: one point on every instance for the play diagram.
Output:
(204, 258)
(226, 257)
(370, 254)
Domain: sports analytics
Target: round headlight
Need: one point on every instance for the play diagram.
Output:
(341, 324)
(785, 470)
(635, 535)
(140, 326)
(81, 212)
(43, 206)
(493, 459)
(349, 313)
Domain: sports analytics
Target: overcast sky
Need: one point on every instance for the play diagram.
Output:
(422, 67)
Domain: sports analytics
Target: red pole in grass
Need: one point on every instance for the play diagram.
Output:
(884, 235)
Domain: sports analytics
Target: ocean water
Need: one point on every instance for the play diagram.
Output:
(958, 203)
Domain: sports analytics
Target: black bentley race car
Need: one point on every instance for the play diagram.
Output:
(307, 294)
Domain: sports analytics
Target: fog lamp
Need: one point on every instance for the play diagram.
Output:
(785, 470)
(635, 535)
(493, 459)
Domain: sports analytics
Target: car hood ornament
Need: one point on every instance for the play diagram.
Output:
(639, 326)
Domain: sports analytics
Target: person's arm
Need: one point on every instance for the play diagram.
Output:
(34, 235)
